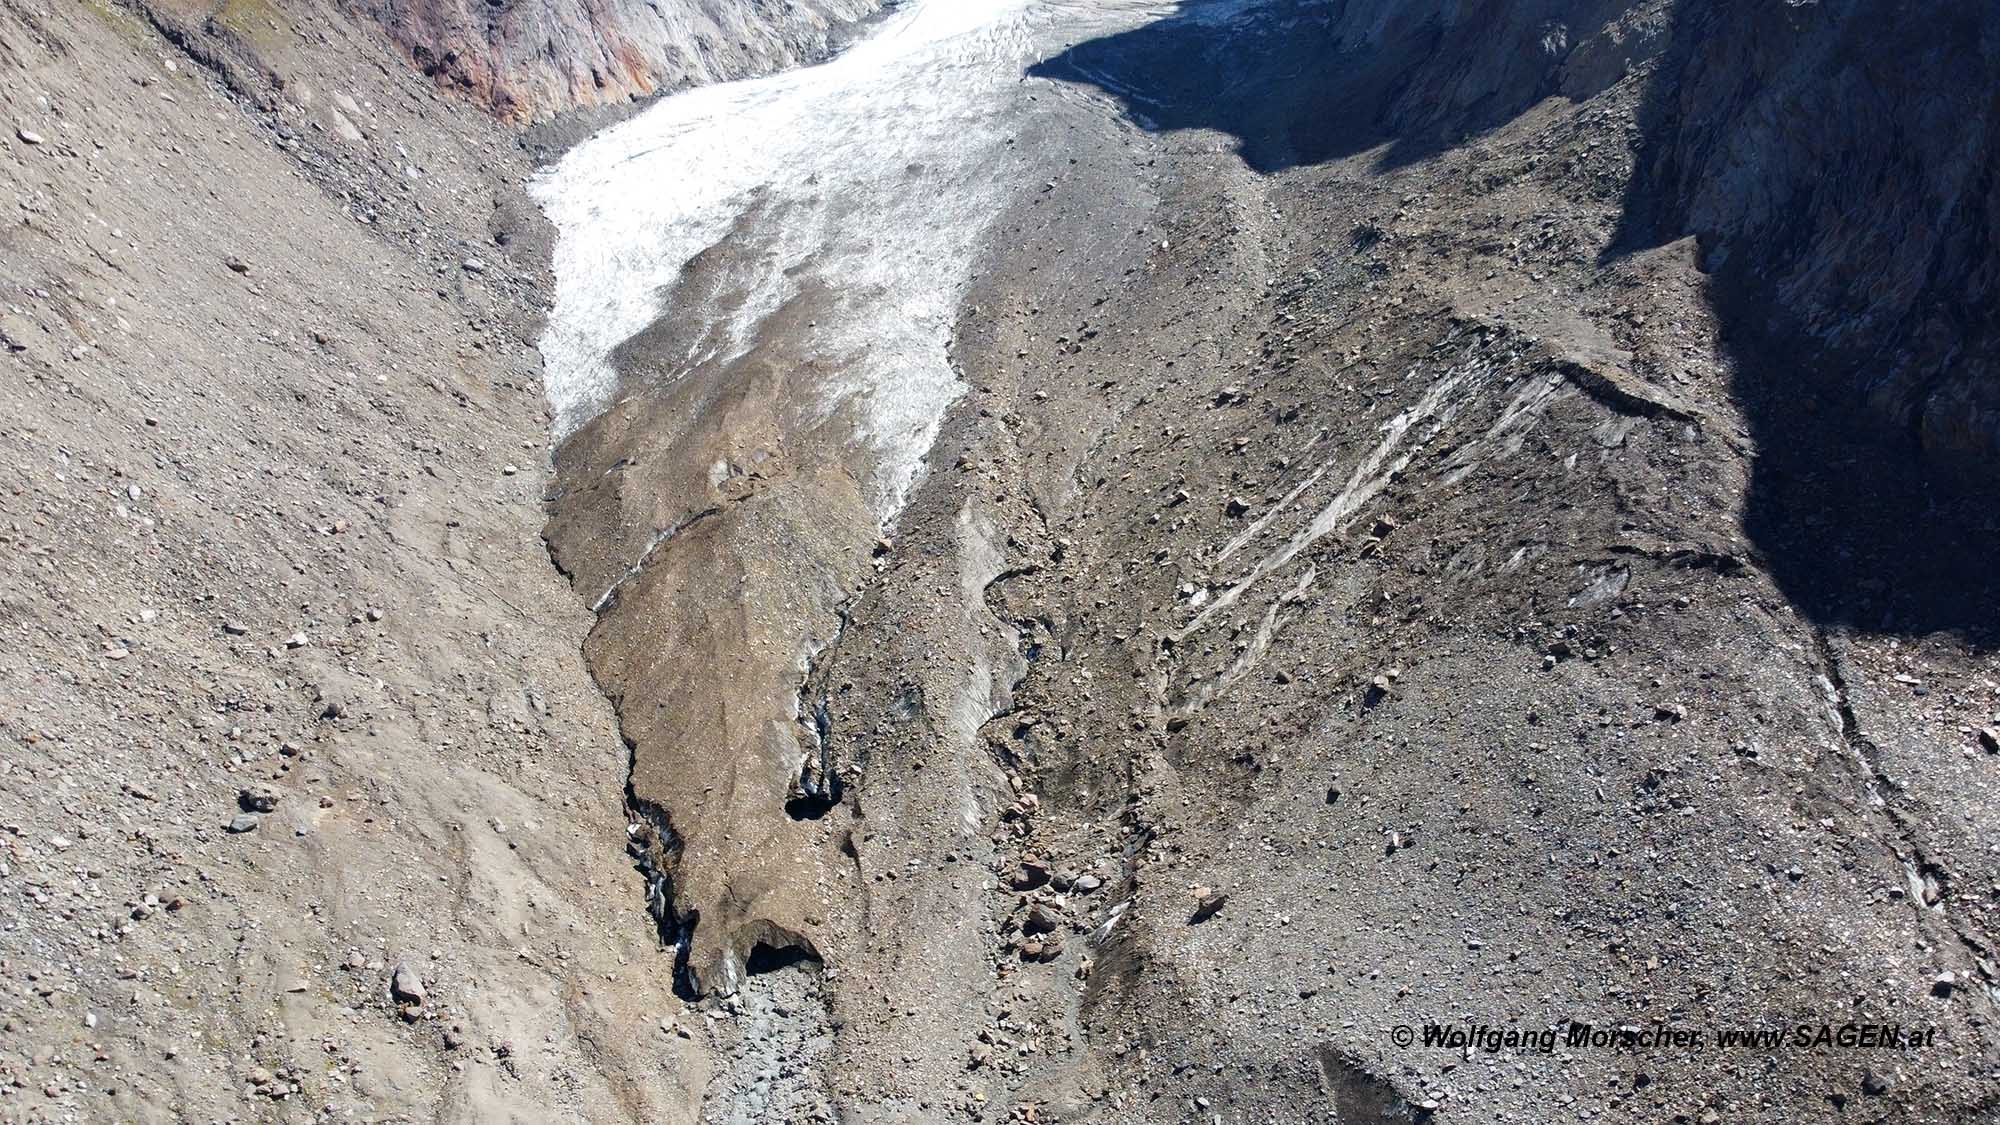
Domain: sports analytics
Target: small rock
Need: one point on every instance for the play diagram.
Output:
(1670, 713)
(1944, 985)
(1873, 1084)
(1040, 920)
(1378, 690)
(28, 136)
(1989, 740)
(509, 470)
(237, 265)
(405, 985)
(1236, 507)
(234, 629)
(241, 823)
(1208, 907)
(258, 1076)
(258, 798)
(297, 640)
(1031, 874)
(1087, 883)
(474, 265)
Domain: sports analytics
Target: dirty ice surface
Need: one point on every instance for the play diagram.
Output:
(872, 177)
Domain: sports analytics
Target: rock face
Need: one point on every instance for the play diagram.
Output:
(531, 59)
(1837, 161)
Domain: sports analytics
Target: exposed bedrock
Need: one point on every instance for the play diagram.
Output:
(532, 59)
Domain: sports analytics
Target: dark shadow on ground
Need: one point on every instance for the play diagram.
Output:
(1839, 180)
(1850, 506)
(1262, 77)
(1301, 82)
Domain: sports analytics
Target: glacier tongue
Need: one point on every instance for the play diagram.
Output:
(871, 177)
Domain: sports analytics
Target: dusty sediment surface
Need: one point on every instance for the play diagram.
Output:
(310, 807)
(1343, 545)
(1342, 598)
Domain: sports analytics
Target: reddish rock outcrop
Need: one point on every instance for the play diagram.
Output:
(531, 59)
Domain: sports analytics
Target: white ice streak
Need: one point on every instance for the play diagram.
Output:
(1437, 406)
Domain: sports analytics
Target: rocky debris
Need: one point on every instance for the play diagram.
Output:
(1330, 282)
(28, 136)
(1041, 949)
(211, 451)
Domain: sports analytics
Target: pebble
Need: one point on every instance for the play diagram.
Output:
(258, 798)
(1087, 884)
(28, 136)
(241, 823)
